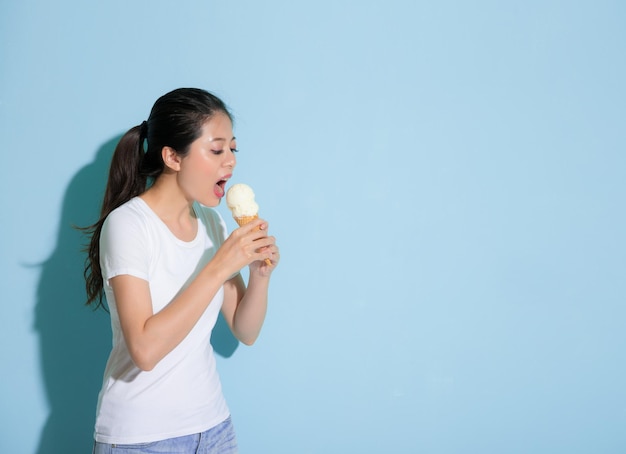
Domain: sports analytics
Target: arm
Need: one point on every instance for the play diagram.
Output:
(244, 309)
(150, 337)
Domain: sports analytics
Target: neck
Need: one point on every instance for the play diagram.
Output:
(167, 201)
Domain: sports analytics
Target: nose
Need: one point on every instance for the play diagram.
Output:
(230, 160)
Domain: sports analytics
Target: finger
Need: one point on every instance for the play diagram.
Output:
(264, 242)
(259, 230)
(273, 255)
(265, 251)
(263, 256)
(257, 224)
(250, 226)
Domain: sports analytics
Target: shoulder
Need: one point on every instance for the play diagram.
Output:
(127, 241)
(131, 211)
(131, 217)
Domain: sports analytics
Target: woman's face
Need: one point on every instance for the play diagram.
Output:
(210, 162)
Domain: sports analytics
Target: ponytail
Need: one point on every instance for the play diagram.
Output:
(125, 178)
(125, 182)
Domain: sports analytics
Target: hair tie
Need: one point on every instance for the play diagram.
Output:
(143, 129)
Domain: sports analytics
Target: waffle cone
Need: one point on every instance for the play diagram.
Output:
(243, 220)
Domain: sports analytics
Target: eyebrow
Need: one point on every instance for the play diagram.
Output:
(222, 139)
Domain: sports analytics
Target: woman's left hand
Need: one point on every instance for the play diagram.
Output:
(271, 254)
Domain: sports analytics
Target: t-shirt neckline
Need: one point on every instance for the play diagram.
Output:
(164, 226)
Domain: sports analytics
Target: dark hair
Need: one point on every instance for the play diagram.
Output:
(175, 121)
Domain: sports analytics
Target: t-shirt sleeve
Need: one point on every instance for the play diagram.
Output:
(124, 246)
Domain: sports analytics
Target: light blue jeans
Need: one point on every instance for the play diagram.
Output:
(217, 440)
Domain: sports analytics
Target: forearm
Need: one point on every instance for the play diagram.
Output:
(163, 331)
(250, 313)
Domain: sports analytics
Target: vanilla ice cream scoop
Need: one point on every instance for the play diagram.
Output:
(240, 200)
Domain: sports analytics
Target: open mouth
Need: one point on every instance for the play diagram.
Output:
(219, 188)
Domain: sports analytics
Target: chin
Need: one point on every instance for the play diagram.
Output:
(209, 202)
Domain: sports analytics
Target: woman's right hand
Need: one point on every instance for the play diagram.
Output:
(245, 245)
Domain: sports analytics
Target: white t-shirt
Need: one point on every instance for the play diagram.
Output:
(182, 394)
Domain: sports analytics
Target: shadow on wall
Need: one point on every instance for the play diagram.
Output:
(74, 340)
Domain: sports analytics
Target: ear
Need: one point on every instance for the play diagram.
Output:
(171, 159)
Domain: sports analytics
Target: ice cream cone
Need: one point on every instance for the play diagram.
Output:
(240, 200)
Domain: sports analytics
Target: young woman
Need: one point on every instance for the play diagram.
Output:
(166, 266)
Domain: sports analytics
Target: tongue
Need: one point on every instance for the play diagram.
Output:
(219, 191)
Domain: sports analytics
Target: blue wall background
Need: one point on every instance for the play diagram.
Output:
(446, 181)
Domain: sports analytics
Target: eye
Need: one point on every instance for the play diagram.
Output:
(234, 150)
